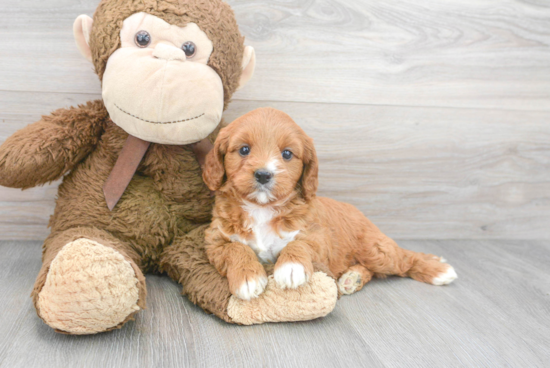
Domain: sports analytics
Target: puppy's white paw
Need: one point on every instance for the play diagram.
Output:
(290, 275)
(349, 282)
(446, 277)
(251, 288)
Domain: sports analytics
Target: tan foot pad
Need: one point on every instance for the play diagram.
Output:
(349, 282)
(90, 288)
(315, 299)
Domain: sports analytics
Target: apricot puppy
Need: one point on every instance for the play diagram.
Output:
(264, 169)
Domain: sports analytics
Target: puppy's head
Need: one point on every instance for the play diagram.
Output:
(263, 156)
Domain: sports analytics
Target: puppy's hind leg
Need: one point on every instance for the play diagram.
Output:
(354, 279)
(383, 256)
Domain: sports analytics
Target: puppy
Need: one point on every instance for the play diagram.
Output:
(264, 169)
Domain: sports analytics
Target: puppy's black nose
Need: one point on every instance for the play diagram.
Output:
(262, 177)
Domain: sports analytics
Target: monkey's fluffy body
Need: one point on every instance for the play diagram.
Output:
(165, 201)
(94, 261)
(165, 198)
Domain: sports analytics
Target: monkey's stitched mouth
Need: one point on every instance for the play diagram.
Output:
(158, 122)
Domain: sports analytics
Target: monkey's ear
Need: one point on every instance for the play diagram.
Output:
(82, 28)
(249, 63)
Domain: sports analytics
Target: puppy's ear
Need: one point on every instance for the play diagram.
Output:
(214, 170)
(309, 181)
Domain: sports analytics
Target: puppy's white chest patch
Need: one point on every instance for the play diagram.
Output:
(266, 243)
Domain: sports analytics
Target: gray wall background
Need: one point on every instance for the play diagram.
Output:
(432, 117)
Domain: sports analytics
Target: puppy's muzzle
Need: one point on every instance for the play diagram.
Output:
(263, 177)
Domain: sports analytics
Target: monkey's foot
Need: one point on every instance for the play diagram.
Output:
(89, 288)
(315, 299)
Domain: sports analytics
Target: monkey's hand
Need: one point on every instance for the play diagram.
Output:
(44, 151)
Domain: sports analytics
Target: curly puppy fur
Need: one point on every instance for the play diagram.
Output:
(281, 220)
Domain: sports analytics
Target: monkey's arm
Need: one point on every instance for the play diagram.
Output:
(46, 150)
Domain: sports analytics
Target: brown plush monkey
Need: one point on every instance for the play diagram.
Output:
(168, 70)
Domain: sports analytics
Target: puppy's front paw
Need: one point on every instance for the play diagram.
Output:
(251, 288)
(247, 281)
(290, 275)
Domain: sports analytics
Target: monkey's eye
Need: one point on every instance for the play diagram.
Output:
(189, 48)
(142, 39)
(287, 155)
(244, 151)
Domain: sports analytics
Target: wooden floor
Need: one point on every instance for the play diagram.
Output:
(497, 314)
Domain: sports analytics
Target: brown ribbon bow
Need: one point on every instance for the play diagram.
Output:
(128, 161)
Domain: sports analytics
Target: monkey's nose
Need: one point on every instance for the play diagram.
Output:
(167, 52)
(263, 177)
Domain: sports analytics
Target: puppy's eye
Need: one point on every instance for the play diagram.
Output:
(142, 39)
(189, 49)
(287, 155)
(244, 151)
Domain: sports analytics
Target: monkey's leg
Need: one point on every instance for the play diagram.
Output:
(90, 282)
(185, 261)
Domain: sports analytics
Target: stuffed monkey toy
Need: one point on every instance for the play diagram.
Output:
(132, 200)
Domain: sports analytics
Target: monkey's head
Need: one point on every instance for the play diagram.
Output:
(168, 68)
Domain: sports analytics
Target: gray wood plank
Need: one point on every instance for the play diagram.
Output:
(170, 333)
(19, 265)
(495, 315)
(434, 173)
(439, 173)
(488, 54)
